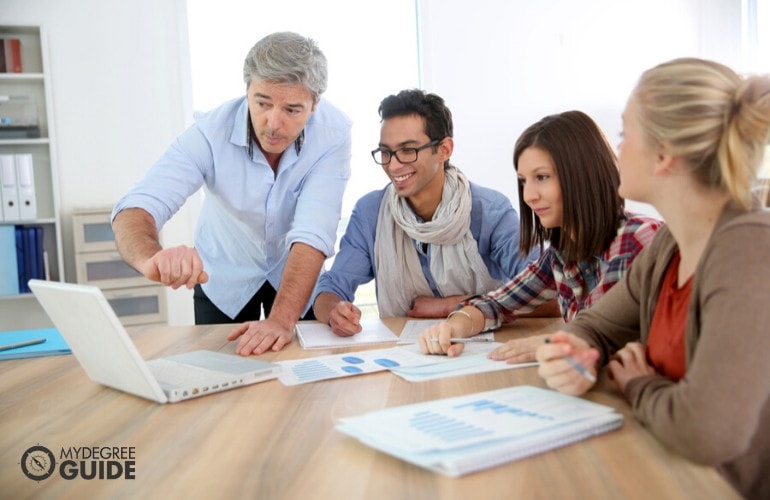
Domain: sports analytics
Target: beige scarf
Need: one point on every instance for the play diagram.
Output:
(455, 263)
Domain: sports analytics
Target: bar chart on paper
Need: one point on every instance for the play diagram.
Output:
(494, 415)
(300, 371)
(310, 370)
(455, 436)
(446, 428)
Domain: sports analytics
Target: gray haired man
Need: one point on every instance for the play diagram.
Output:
(273, 165)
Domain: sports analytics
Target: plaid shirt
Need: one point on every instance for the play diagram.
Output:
(577, 285)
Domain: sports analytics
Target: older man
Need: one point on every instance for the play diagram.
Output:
(273, 165)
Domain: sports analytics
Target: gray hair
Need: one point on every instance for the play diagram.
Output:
(287, 57)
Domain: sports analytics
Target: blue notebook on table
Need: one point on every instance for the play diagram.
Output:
(54, 344)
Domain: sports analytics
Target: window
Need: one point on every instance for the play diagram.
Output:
(756, 50)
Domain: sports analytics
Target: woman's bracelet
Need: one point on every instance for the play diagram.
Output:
(465, 313)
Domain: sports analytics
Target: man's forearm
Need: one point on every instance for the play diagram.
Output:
(323, 306)
(136, 236)
(297, 283)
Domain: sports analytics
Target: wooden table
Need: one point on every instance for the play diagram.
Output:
(272, 441)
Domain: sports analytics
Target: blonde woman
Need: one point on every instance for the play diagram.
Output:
(685, 334)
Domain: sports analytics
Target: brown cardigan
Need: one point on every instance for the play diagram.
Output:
(719, 414)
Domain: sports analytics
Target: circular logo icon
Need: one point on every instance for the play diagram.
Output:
(38, 463)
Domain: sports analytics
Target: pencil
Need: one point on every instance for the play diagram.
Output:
(21, 344)
(458, 341)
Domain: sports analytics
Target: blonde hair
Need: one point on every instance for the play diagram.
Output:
(716, 120)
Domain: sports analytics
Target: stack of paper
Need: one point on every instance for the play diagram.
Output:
(456, 436)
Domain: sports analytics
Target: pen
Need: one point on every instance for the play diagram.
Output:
(21, 344)
(577, 366)
(457, 341)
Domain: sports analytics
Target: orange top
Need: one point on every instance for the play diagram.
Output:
(665, 343)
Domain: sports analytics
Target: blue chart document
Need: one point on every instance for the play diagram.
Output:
(456, 436)
(300, 371)
(407, 362)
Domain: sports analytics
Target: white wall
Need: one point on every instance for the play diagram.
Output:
(370, 52)
(502, 66)
(121, 91)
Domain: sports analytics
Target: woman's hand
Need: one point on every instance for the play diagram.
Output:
(518, 350)
(558, 372)
(436, 339)
(629, 362)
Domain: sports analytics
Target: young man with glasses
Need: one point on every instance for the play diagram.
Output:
(430, 238)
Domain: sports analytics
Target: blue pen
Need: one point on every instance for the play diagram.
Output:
(577, 366)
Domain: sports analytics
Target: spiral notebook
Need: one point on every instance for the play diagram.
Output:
(461, 435)
(315, 335)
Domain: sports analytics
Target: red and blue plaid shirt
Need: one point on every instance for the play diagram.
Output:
(577, 285)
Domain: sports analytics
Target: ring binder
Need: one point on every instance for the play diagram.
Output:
(25, 178)
(9, 188)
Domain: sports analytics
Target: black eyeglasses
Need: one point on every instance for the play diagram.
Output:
(403, 155)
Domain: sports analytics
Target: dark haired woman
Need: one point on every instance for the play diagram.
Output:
(568, 198)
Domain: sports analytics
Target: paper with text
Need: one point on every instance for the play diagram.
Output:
(414, 327)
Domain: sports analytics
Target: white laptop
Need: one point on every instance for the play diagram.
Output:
(102, 346)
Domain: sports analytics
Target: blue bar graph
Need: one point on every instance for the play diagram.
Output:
(446, 428)
(313, 370)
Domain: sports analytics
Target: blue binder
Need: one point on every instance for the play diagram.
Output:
(35, 252)
(30, 255)
(21, 259)
(40, 253)
(9, 267)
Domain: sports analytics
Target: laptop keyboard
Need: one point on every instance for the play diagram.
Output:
(183, 375)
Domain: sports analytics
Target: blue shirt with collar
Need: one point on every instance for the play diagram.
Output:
(494, 226)
(250, 216)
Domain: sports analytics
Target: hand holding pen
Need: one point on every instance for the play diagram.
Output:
(567, 363)
(441, 339)
(345, 319)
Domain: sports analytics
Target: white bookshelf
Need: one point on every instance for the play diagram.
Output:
(23, 311)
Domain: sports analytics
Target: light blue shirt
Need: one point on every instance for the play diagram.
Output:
(250, 217)
(494, 226)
